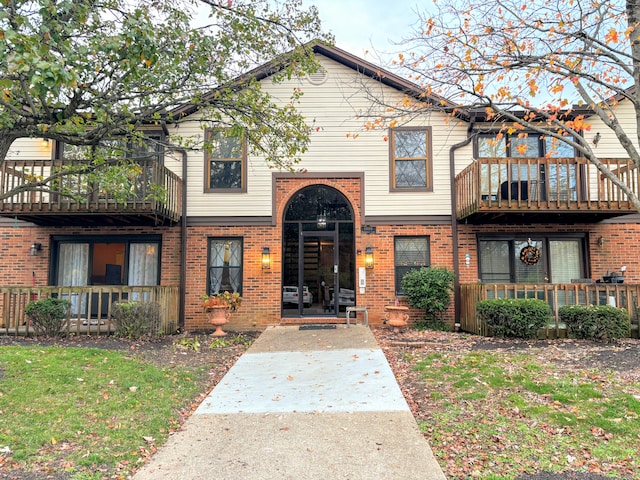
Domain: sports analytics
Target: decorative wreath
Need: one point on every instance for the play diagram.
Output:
(530, 255)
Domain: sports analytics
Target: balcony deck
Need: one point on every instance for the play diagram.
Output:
(513, 190)
(89, 205)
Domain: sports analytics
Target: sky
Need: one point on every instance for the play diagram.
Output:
(366, 28)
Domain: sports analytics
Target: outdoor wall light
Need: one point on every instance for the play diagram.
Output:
(321, 221)
(44, 142)
(596, 139)
(266, 258)
(368, 257)
(35, 248)
(601, 242)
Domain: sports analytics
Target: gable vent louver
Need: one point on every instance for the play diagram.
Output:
(318, 78)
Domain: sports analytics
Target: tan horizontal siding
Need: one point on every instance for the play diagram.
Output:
(30, 148)
(334, 106)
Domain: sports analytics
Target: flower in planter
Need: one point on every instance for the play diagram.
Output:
(226, 299)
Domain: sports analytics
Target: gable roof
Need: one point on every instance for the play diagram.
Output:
(338, 55)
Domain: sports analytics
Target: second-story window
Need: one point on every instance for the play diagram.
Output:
(144, 151)
(532, 145)
(225, 162)
(147, 147)
(411, 162)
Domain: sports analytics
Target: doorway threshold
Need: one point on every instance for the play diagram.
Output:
(312, 320)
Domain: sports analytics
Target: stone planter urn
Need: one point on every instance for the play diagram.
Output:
(219, 315)
(219, 307)
(396, 315)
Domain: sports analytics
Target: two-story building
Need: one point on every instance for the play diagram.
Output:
(366, 205)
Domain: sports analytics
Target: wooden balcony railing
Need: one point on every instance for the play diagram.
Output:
(155, 196)
(556, 295)
(90, 312)
(570, 186)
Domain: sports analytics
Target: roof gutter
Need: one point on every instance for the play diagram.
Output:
(454, 222)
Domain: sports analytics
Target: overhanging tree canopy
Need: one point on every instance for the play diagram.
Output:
(535, 65)
(81, 71)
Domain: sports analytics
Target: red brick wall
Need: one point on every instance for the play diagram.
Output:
(262, 288)
(18, 265)
(620, 240)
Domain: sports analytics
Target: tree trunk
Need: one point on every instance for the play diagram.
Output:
(6, 140)
(633, 14)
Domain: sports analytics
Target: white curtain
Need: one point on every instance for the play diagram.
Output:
(494, 261)
(235, 261)
(143, 266)
(565, 260)
(217, 261)
(73, 270)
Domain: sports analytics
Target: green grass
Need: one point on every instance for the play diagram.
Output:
(87, 409)
(504, 413)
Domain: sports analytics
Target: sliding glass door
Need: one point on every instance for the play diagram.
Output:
(104, 261)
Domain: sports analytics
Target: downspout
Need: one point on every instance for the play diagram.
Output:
(183, 241)
(454, 222)
(183, 238)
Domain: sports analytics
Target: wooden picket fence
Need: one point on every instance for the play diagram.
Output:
(90, 312)
(556, 295)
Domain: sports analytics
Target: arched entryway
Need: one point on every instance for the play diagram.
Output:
(318, 264)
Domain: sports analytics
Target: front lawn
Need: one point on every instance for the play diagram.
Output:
(502, 409)
(93, 413)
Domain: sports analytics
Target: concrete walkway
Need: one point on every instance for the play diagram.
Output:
(301, 404)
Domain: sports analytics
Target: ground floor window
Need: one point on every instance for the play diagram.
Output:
(409, 253)
(537, 259)
(78, 261)
(225, 265)
(106, 260)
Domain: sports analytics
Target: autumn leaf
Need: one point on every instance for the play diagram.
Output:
(611, 36)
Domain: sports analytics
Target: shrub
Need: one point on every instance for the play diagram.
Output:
(428, 289)
(432, 324)
(134, 320)
(519, 318)
(595, 322)
(48, 315)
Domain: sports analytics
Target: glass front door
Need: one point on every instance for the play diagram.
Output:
(318, 264)
(311, 278)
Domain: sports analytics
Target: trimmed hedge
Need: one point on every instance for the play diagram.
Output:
(48, 315)
(519, 318)
(601, 323)
(134, 320)
(429, 289)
